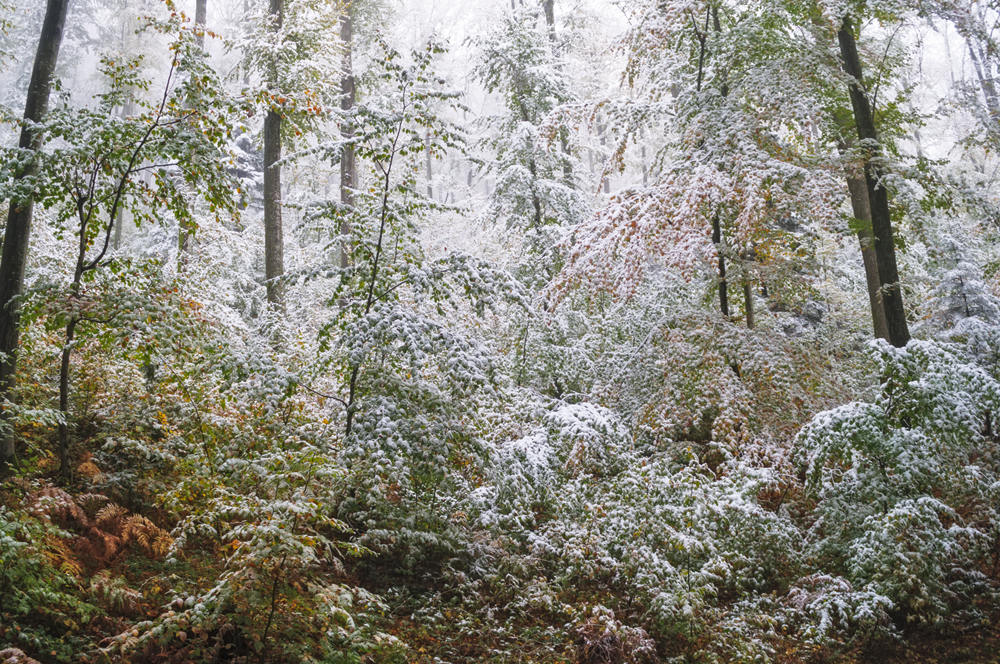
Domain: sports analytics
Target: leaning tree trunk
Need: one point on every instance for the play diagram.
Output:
(863, 213)
(18, 230)
(274, 262)
(878, 197)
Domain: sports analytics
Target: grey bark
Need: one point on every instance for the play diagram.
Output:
(430, 171)
(348, 162)
(862, 212)
(748, 305)
(981, 67)
(18, 230)
(878, 198)
(186, 229)
(274, 261)
(200, 19)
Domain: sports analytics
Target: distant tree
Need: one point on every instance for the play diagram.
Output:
(736, 89)
(535, 191)
(348, 164)
(295, 51)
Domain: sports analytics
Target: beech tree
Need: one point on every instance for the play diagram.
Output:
(295, 50)
(536, 192)
(274, 238)
(93, 167)
(891, 292)
(736, 90)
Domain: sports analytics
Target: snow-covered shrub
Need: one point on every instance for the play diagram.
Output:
(906, 486)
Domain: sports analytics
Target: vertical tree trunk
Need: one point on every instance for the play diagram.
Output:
(642, 150)
(982, 68)
(18, 229)
(605, 180)
(118, 229)
(127, 111)
(186, 229)
(430, 171)
(200, 19)
(274, 262)
(348, 163)
(723, 286)
(748, 305)
(548, 6)
(64, 461)
(878, 198)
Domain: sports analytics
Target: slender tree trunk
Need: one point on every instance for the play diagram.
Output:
(878, 198)
(127, 111)
(430, 171)
(723, 286)
(186, 229)
(348, 163)
(748, 305)
(18, 229)
(64, 461)
(548, 6)
(981, 65)
(119, 222)
(642, 150)
(716, 222)
(274, 262)
(605, 181)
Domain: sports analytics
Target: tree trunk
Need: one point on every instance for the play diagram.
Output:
(348, 163)
(605, 181)
(723, 288)
(748, 305)
(878, 198)
(64, 461)
(200, 19)
(863, 213)
(982, 68)
(274, 263)
(186, 228)
(18, 230)
(119, 222)
(642, 150)
(430, 171)
(548, 6)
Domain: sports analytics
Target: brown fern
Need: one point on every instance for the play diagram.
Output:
(111, 518)
(61, 556)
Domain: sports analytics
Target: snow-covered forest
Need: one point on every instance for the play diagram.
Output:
(553, 331)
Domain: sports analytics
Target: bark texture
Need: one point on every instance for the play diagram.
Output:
(348, 163)
(200, 19)
(274, 239)
(18, 229)
(863, 213)
(878, 197)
